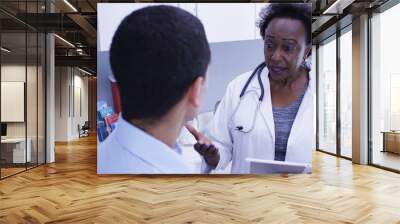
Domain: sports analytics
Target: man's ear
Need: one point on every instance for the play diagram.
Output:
(195, 91)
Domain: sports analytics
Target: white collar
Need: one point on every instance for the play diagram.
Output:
(149, 148)
(265, 80)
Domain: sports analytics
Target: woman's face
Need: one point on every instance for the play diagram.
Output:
(285, 47)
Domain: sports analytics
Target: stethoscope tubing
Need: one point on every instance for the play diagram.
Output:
(257, 72)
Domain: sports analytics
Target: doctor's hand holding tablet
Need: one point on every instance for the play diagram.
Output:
(211, 156)
(265, 121)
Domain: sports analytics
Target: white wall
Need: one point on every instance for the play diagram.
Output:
(235, 43)
(227, 21)
(109, 15)
(62, 80)
(222, 21)
(70, 84)
(228, 61)
(12, 101)
(12, 73)
(33, 126)
(80, 103)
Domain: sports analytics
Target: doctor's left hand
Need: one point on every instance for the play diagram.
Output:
(205, 147)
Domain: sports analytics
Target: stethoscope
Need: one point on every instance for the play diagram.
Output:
(257, 72)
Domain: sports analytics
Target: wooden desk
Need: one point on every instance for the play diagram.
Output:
(391, 141)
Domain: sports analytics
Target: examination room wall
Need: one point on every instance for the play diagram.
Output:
(229, 59)
(236, 47)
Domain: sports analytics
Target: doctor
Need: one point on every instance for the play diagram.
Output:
(267, 113)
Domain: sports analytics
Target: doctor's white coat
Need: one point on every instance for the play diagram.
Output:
(259, 143)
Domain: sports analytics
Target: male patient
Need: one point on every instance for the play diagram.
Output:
(159, 56)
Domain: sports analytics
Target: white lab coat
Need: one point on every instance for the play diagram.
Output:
(236, 146)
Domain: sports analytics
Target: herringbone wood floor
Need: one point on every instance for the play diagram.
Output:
(70, 191)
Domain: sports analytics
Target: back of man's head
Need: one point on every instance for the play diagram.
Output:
(156, 54)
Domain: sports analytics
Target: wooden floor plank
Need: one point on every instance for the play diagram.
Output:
(70, 191)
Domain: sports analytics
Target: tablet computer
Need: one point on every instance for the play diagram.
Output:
(262, 166)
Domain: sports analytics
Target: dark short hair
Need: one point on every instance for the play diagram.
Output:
(156, 54)
(297, 11)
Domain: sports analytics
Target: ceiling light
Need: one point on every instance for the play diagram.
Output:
(338, 6)
(70, 5)
(5, 50)
(331, 7)
(84, 71)
(65, 41)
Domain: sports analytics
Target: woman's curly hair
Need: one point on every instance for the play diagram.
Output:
(298, 11)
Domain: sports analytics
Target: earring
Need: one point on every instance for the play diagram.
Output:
(304, 63)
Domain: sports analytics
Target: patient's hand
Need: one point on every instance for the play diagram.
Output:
(204, 147)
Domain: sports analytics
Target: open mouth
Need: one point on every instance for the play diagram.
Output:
(277, 69)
